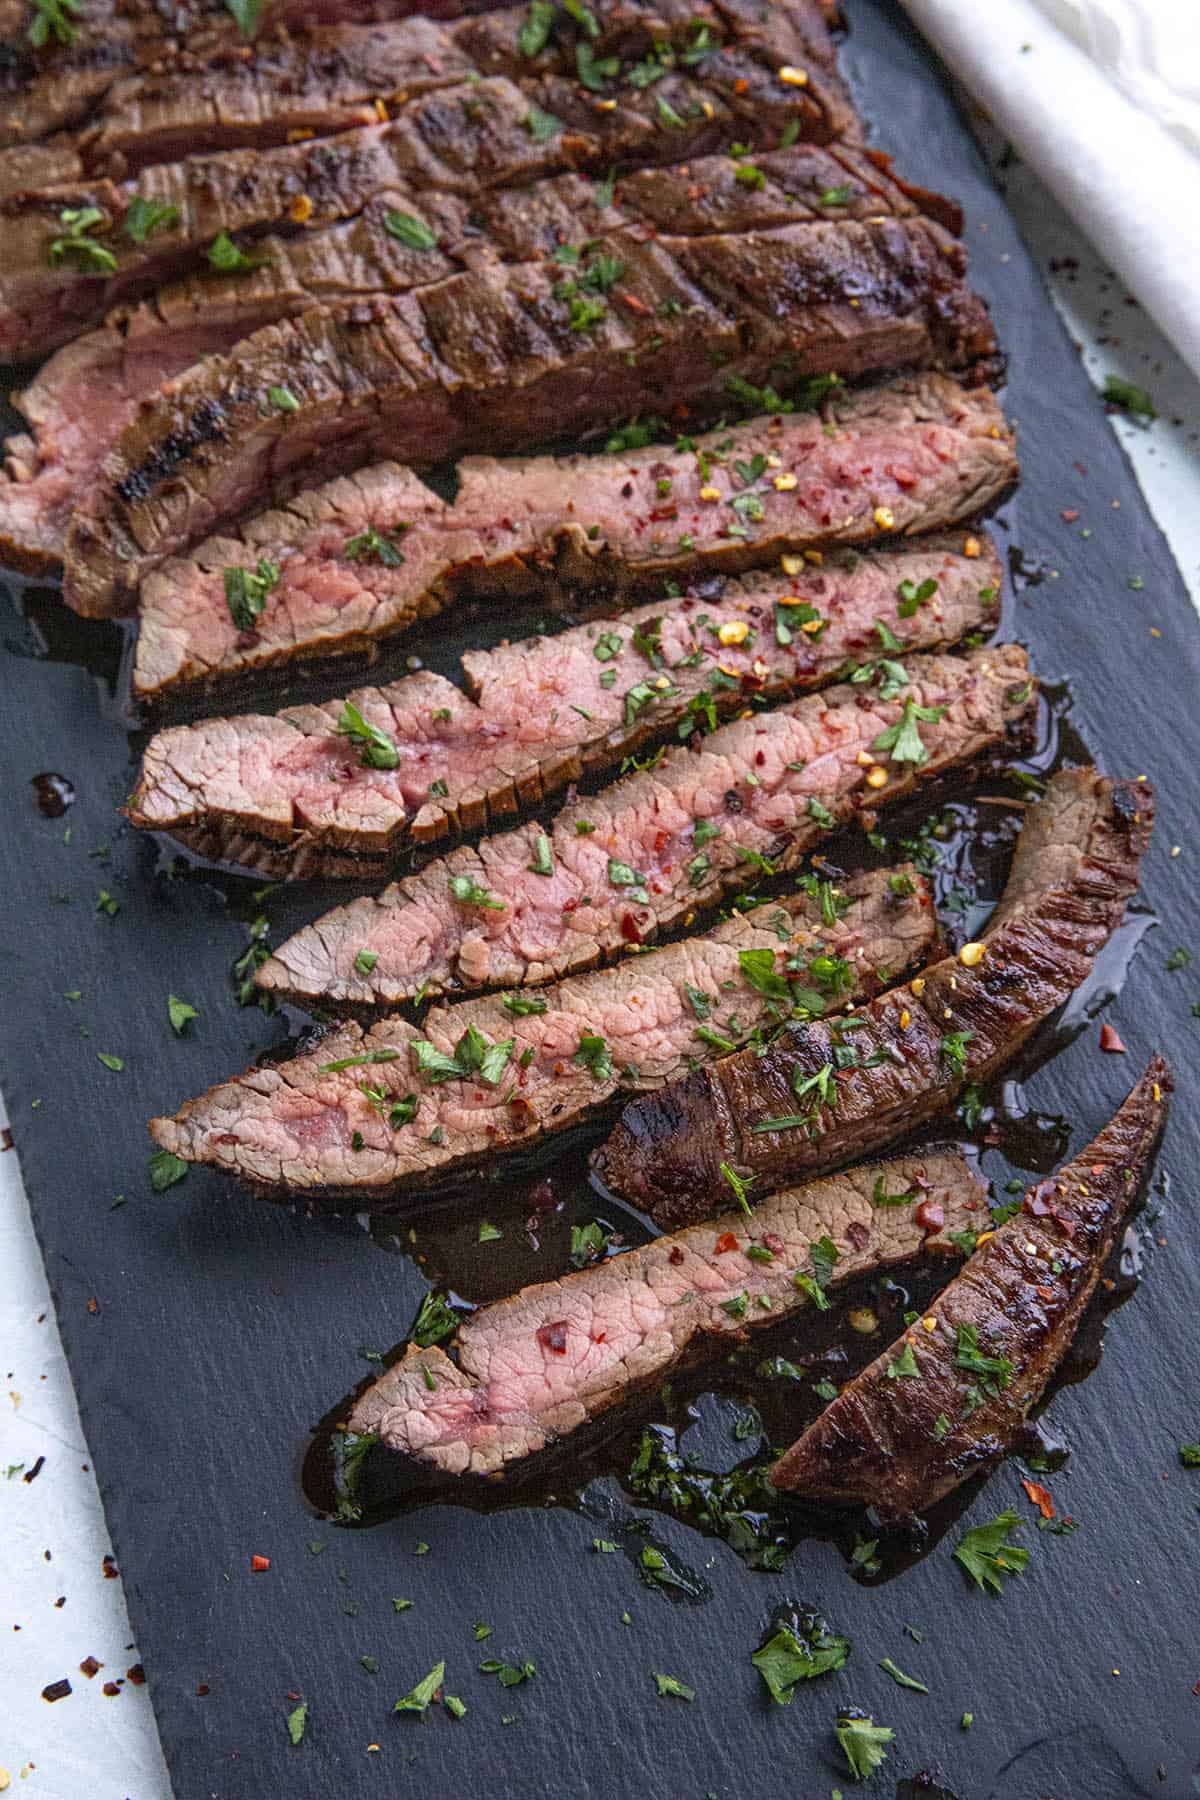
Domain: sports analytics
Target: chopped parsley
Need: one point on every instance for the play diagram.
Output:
(229, 259)
(522, 1005)
(904, 1365)
(900, 1678)
(410, 231)
(475, 1054)
(667, 1684)
(50, 20)
(911, 595)
(741, 1185)
(903, 739)
(508, 1674)
(377, 749)
(996, 1371)
(246, 591)
(420, 1697)
(145, 218)
(593, 1055)
(543, 856)
(297, 1719)
(863, 1743)
(1135, 400)
(179, 1012)
(785, 1659)
(988, 1557)
(77, 245)
(954, 1050)
(372, 546)
(435, 1321)
(621, 875)
(165, 1170)
(469, 893)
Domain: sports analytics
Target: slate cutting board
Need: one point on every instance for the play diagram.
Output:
(223, 1328)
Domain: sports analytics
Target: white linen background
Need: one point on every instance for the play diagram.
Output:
(1149, 52)
(1102, 99)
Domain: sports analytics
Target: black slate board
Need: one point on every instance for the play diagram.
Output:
(223, 1328)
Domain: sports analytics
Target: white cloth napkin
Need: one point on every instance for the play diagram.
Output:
(1102, 98)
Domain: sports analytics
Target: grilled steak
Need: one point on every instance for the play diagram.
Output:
(367, 1114)
(503, 353)
(914, 455)
(640, 856)
(456, 140)
(112, 370)
(991, 1342)
(287, 787)
(526, 1371)
(797, 1109)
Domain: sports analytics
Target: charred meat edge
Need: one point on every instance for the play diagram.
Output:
(1075, 867)
(323, 1122)
(636, 1317)
(899, 1443)
(542, 714)
(494, 358)
(111, 370)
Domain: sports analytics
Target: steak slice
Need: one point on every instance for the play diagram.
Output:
(140, 348)
(286, 788)
(361, 1116)
(455, 140)
(917, 1047)
(498, 354)
(923, 449)
(641, 856)
(524, 1372)
(899, 1445)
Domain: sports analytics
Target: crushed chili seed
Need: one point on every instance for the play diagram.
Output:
(553, 1337)
(260, 1564)
(724, 1244)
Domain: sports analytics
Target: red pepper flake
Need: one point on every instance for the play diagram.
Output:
(109, 1568)
(629, 929)
(636, 306)
(203, 1691)
(1039, 1497)
(137, 1675)
(725, 1243)
(260, 1564)
(930, 1215)
(1069, 514)
(553, 1337)
(93, 1305)
(89, 1667)
(56, 1690)
(773, 1243)
(858, 1233)
(1110, 1041)
(675, 1254)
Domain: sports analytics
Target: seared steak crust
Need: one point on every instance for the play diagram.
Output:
(919, 1046)
(525, 1372)
(323, 1122)
(109, 372)
(543, 712)
(499, 351)
(456, 139)
(900, 1444)
(916, 454)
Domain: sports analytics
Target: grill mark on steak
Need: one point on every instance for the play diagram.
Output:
(453, 141)
(1073, 874)
(544, 712)
(1023, 1292)
(506, 1390)
(550, 926)
(492, 351)
(294, 1126)
(108, 373)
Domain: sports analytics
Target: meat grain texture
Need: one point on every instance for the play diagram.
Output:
(281, 788)
(526, 1372)
(367, 1113)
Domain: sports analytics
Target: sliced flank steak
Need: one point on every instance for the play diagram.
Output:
(507, 358)
(282, 789)
(370, 1113)
(947, 1400)
(620, 866)
(456, 140)
(107, 374)
(525, 1372)
(916, 454)
(804, 1106)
